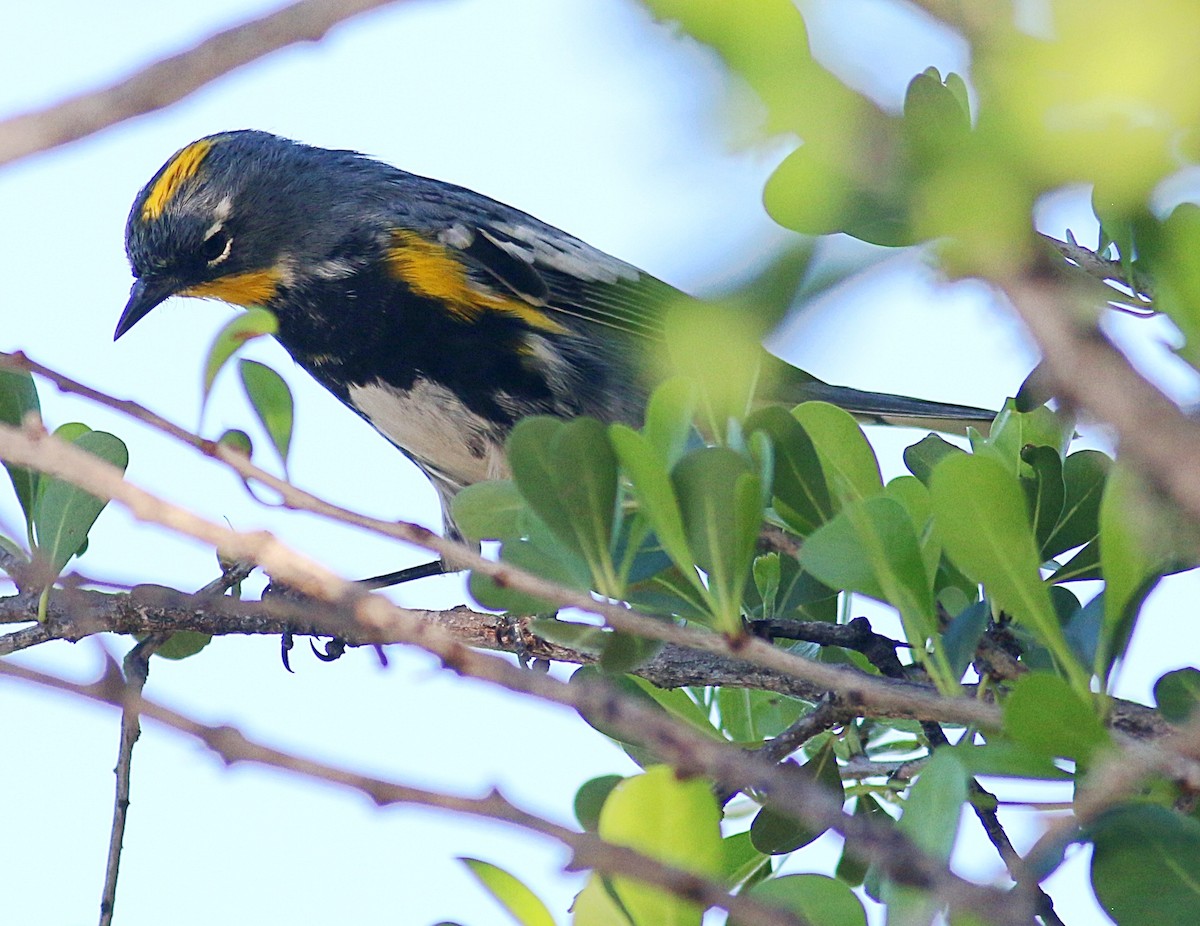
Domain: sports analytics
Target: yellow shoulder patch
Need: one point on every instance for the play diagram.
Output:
(180, 168)
(430, 269)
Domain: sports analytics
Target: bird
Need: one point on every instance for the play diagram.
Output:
(437, 314)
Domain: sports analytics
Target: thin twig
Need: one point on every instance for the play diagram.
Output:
(137, 670)
(171, 79)
(687, 750)
(588, 851)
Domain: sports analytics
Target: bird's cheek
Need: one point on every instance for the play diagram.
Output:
(252, 287)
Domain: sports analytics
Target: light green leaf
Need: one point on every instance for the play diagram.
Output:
(720, 500)
(673, 821)
(63, 514)
(272, 402)
(241, 329)
(489, 510)
(511, 892)
(851, 470)
(1044, 714)
(981, 515)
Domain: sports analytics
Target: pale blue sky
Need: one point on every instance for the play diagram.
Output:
(579, 111)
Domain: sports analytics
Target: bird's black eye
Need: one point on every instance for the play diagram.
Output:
(216, 247)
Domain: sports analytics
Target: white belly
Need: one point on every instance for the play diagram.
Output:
(452, 443)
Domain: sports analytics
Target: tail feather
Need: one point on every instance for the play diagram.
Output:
(894, 410)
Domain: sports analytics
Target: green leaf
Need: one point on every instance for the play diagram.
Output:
(847, 460)
(238, 441)
(1013, 431)
(272, 402)
(590, 798)
(647, 470)
(489, 510)
(934, 805)
(720, 500)
(19, 397)
(871, 548)
(558, 565)
(567, 471)
(511, 892)
(1145, 865)
(961, 637)
(931, 819)
(1141, 539)
(1044, 491)
(1044, 714)
(1177, 694)
(1084, 475)
(182, 644)
(670, 414)
(673, 821)
(981, 514)
(1008, 759)
(775, 833)
(743, 862)
(241, 329)
(595, 906)
(818, 899)
(800, 495)
(63, 514)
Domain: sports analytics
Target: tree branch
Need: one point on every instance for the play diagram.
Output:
(688, 751)
(588, 851)
(171, 79)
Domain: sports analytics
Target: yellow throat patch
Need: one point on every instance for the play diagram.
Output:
(430, 269)
(254, 287)
(179, 169)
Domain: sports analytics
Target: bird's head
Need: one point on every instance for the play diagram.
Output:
(234, 217)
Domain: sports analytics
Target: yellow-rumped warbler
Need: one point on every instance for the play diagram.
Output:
(437, 314)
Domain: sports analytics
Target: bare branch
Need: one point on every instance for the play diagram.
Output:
(171, 79)
(589, 851)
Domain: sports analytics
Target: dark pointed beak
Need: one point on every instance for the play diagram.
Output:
(145, 295)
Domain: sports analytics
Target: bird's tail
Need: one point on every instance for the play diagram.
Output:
(894, 410)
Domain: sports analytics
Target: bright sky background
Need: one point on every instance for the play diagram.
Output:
(581, 112)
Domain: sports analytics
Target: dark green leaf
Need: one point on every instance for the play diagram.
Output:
(1084, 474)
(961, 638)
(559, 566)
(1083, 565)
(1144, 865)
(1044, 491)
(1177, 693)
(818, 899)
(775, 833)
(591, 797)
(272, 402)
(19, 397)
(799, 491)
